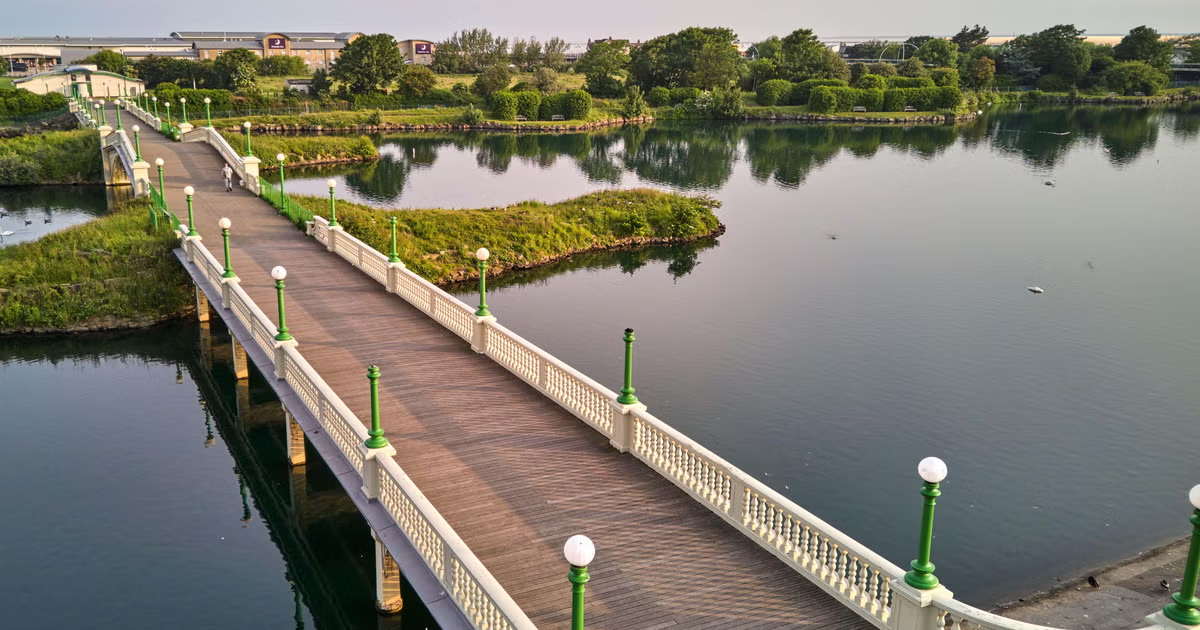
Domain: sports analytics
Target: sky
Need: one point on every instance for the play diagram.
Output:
(752, 20)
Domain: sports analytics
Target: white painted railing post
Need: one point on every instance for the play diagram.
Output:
(623, 425)
(911, 609)
(737, 500)
(371, 468)
(280, 357)
(227, 289)
(190, 249)
(331, 242)
(394, 270)
(480, 332)
(251, 165)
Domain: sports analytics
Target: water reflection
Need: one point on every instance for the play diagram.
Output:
(31, 212)
(702, 157)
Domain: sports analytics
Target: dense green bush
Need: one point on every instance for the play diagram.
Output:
(577, 105)
(822, 101)
(528, 104)
(552, 104)
(523, 86)
(773, 92)
(926, 99)
(871, 82)
(847, 98)
(882, 68)
(658, 96)
(634, 105)
(222, 100)
(681, 94)
(1129, 77)
(901, 83)
(471, 115)
(299, 149)
(1053, 83)
(21, 103)
(504, 105)
(944, 77)
(282, 66)
(857, 71)
(801, 90)
(54, 157)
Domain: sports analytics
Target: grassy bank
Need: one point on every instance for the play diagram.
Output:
(306, 149)
(111, 272)
(56, 157)
(601, 110)
(438, 244)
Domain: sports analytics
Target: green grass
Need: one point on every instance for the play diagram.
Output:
(54, 157)
(6, 83)
(438, 244)
(305, 149)
(569, 81)
(112, 267)
(601, 110)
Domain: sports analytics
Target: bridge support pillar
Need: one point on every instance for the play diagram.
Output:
(911, 607)
(206, 349)
(298, 494)
(388, 599)
(280, 365)
(623, 422)
(480, 332)
(371, 469)
(201, 305)
(242, 394)
(295, 439)
(241, 366)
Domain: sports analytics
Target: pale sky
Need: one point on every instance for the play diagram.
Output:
(752, 20)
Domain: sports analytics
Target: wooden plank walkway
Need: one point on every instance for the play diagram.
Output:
(511, 471)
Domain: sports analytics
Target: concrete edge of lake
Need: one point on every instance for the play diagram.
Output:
(1128, 591)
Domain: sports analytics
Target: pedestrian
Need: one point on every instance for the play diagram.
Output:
(228, 173)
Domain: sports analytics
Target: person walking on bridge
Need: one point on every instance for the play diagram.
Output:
(228, 174)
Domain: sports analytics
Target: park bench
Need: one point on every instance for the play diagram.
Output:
(859, 108)
(1139, 93)
(909, 108)
(557, 117)
(520, 118)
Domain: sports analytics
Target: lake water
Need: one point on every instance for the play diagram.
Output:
(143, 488)
(828, 367)
(35, 211)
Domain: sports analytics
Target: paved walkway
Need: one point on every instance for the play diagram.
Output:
(511, 471)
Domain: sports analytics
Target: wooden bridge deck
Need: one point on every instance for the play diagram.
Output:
(511, 471)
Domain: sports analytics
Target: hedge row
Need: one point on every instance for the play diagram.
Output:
(222, 100)
(780, 92)
(20, 103)
(573, 105)
(900, 83)
(826, 99)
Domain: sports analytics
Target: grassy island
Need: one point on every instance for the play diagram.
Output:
(54, 157)
(113, 272)
(305, 149)
(438, 244)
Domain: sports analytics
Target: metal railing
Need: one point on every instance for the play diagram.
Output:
(292, 209)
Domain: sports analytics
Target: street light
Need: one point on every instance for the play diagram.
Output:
(332, 205)
(154, 99)
(393, 257)
(137, 143)
(167, 104)
(207, 112)
(162, 192)
(933, 471)
(1186, 607)
(183, 104)
(282, 195)
(376, 440)
(189, 191)
(482, 255)
(246, 126)
(224, 224)
(99, 113)
(579, 551)
(279, 273)
(627, 397)
(117, 108)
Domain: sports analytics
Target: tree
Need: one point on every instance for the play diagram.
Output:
(882, 68)
(635, 105)
(526, 54)
(600, 63)
(801, 55)
(546, 80)
(918, 40)
(769, 48)
(237, 69)
(282, 66)
(492, 79)
(1128, 77)
(321, 83)
(912, 67)
(980, 73)
(470, 51)
(1144, 44)
(369, 64)
(867, 50)
(554, 54)
(969, 38)
(1192, 44)
(831, 65)
(940, 53)
(694, 57)
(416, 82)
(108, 61)
(1057, 50)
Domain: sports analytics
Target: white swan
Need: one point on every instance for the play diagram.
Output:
(1035, 289)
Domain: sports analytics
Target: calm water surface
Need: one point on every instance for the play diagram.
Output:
(144, 489)
(827, 368)
(35, 211)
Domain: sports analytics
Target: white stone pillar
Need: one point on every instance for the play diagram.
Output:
(394, 271)
(184, 128)
(371, 471)
(911, 609)
(280, 367)
(227, 291)
(480, 332)
(251, 165)
(141, 178)
(387, 580)
(623, 425)
(334, 230)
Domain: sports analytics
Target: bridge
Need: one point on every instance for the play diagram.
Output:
(486, 452)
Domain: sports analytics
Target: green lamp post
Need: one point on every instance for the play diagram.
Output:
(207, 111)
(393, 257)
(117, 109)
(579, 551)
(225, 224)
(332, 202)
(1185, 608)
(189, 191)
(627, 397)
(137, 143)
(376, 440)
(99, 113)
(246, 126)
(482, 255)
(933, 471)
(183, 104)
(283, 204)
(154, 99)
(162, 192)
(279, 273)
(167, 104)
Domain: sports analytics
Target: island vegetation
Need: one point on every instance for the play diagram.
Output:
(113, 272)
(53, 157)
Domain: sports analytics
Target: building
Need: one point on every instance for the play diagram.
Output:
(417, 51)
(85, 81)
(318, 50)
(42, 53)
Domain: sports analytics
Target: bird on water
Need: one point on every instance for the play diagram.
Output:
(1035, 289)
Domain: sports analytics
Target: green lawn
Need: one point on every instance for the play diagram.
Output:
(6, 83)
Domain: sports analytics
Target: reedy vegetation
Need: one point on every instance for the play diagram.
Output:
(54, 157)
